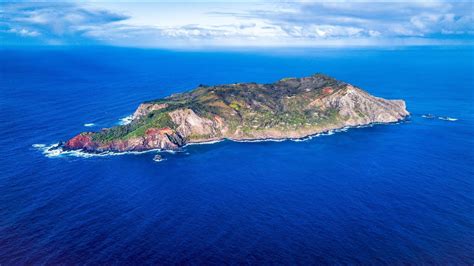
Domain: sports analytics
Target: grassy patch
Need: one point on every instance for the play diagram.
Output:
(156, 119)
(235, 105)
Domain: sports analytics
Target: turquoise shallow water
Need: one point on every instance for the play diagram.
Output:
(400, 193)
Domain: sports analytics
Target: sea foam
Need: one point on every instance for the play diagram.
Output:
(428, 116)
(56, 150)
(205, 142)
(158, 160)
(445, 118)
(126, 120)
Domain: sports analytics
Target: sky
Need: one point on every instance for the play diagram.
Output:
(201, 24)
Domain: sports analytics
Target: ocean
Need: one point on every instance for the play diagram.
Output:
(385, 194)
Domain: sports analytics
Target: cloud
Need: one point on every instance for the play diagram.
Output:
(373, 19)
(24, 32)
(239, 24)
(54, 23)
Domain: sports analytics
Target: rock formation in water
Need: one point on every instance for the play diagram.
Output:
(288, 108)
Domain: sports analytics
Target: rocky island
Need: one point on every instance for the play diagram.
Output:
(288, 108)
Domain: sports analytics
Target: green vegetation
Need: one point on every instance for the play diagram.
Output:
(235, 106)
(247, 107)
(155, 119)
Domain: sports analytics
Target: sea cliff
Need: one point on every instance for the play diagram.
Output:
(288, 108)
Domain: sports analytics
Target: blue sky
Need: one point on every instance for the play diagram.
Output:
(195, 24)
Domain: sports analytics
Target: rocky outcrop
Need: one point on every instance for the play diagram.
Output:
(289, 108)
(189, 124)
(82, 141)
(154, 138)
(360, 108)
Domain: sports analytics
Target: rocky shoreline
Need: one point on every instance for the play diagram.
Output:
(290, 108)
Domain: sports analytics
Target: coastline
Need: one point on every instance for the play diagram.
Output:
(56, 150)
(327, 131)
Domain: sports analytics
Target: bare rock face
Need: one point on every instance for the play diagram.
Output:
(189, 124)
(289, 108)
(360, 108)
(154, 138)
(82, 141)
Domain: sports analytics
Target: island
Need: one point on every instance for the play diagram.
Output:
(287, 109)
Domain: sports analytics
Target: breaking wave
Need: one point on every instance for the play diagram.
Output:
(258, 140)
(445, 118)
(38, 146)
(428, 116)
(89, 124)
(56, 150)
(158, 159)
(126, 120)
(205, 142)
(327, 133)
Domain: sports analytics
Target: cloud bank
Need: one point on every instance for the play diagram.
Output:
(239, 24)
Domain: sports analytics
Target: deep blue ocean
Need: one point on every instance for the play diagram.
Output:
(387, 194)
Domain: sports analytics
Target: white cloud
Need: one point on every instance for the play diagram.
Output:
(261, 24)
(24, 32)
